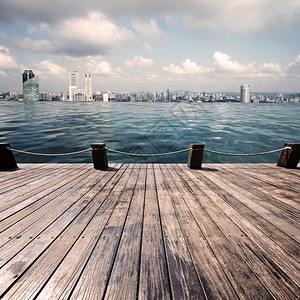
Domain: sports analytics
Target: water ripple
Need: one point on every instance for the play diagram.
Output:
(58, 127)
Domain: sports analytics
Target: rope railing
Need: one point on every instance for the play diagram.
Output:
(146, 154)
(289, 158)
(247, 154)
(49, 154)
(207, 150)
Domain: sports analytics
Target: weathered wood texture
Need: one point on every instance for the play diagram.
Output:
(69, 231)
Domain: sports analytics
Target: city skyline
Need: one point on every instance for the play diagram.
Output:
(152, 45)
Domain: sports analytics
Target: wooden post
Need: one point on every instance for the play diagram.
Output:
(99, 156)
(195, 156)
(7, 160)
(289, 158)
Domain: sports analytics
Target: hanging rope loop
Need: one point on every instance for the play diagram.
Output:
(50, 154)
(249, 154)
(147, 155)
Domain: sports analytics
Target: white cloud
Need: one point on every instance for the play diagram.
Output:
(174, 69)
(47, 67)
(36, 11)
(154, 77)
(232, 69)
(198, 16)
(188, 67)
(7, 62)
(293, 68)
(43, 27)
(224, 63)
(271, 68)
(149, 30)
(267, 17)
(96, 65)
(40, 46)
(140, 61)
(91, 35)
(226, 69)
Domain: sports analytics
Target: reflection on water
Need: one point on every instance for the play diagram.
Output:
(59, 127)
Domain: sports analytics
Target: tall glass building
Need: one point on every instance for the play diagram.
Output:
(88, 87)
(30, 86)
(73, 84)
(245, 94)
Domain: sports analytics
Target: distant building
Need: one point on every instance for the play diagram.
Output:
(168, 95)
(98, 96)
(105, 97)
(245, 93)
(30, 86)
(79, 95)
(73, 84)
(88, 87)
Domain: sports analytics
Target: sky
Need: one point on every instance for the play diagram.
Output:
(152, 45)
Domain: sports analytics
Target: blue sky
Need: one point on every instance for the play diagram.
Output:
(152, 45)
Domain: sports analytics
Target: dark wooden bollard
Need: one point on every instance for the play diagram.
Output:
(289, 158)
(195, 156)
(7, 160)
(99, 156)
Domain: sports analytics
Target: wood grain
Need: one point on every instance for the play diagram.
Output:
(150, 231)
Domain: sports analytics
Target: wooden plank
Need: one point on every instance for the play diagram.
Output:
(283, 192)
(19, 178)
(264, 269)
(95, 276)
(240, 275)
(16, 238)
(41, 219)
(23, 170)
(285, 241)
(275, 179)
(32, 195)
(213, 278)
(21, 211)
(274, 215)
(16, 185)
(31, 188)
(259, 189)
(263, 174)
(149, 232)
(60, 266)
(83, 202)
(285, 177)
(294, 172)
(53, 206)
(15, 182)
(184, 281)
(274, 252)
(123, 281)
(154, 281)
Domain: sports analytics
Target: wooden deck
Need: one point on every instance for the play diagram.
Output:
(228, 231)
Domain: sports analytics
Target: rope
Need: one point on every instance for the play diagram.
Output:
(145, 155)
(50, 154)
(251, 154)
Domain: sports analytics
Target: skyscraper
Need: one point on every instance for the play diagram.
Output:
(168, 95)
(73, 84)
(245, 95)
(30, 86)
(88, 87)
